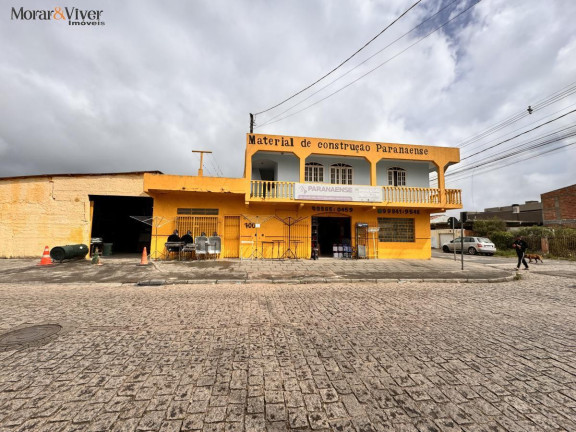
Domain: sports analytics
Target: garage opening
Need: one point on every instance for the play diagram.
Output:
(112, 223)
(331, 231)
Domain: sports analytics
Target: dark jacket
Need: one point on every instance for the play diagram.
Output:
(520, 246)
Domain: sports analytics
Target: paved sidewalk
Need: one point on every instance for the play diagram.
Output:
(126, 270)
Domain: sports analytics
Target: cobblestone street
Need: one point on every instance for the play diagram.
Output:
(342, 357)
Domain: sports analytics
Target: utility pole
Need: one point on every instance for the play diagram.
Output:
(200, 170)
(251, 123)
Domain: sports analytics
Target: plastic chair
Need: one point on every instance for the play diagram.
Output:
(214, 246)
(201, 246)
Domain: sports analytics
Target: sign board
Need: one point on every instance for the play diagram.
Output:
(336, 192)
(373, 229)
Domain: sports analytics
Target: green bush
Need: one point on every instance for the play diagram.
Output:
(502, 239)
(485, 228)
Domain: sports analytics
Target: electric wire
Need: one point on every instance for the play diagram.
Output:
(465, 175)
(542, 103)
(377, 67)
(520, 134)
(270, 120)
(525, 146)
(344, 62)
(433, 176)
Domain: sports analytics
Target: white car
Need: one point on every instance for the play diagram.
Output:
(472, 245)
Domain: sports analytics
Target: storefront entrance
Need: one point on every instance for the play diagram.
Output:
(112, 222)
(331, 231)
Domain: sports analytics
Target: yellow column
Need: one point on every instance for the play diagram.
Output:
(302, 168)
(441, 186)
(373, 178)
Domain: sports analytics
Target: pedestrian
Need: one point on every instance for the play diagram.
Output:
(520, 245)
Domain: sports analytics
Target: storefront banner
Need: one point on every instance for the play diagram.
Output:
(336, 192)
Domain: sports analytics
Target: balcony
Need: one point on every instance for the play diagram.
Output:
(276, 191)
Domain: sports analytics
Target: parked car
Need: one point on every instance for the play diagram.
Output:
(472, 245)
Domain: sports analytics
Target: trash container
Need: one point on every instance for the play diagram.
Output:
(61, 253)
(107, 249)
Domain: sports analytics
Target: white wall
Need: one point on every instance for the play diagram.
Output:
(361, 167)
(288, 166)
(416, 172)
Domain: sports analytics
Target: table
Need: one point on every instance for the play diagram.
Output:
(278, 243)
(262, 243)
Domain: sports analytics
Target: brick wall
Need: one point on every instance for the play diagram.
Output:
(559, 206)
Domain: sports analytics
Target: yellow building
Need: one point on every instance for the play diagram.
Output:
(60, 209)
(299, 196)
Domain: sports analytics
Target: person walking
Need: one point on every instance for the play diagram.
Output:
(520, 245)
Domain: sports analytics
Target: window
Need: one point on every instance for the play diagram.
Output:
(314, 172)
(396, 176)
(396, 230)
(341, 174)
(197, 211)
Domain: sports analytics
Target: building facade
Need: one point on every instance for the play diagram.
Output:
(300, 196)
(61, 209)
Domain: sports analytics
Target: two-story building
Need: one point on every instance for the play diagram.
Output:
(304, 195)
(298, 196)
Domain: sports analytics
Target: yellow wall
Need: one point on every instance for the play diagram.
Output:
(166, 205)
(373, 152)
(53, 210)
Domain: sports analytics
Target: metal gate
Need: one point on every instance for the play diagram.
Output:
(197, 225)
(231, 244)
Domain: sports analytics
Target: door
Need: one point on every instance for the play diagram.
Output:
(231, 245)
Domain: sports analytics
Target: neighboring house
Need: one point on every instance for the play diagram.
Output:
(529, 213)
(297, 195)
(559, 207)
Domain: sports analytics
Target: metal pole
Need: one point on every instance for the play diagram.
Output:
(454, 238)
(462, 241)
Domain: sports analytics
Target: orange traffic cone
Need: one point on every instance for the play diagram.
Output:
(46, 260)
(144, 260)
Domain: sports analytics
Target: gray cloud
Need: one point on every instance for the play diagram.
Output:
(160, 79)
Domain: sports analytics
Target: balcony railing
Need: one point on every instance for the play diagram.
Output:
(453, 196)
(411, 195)
(276, 190)
(271, 189)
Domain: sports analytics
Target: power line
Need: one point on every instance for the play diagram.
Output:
(344, 62)
(377, 67)
(516, 136)
(542, 103)
(520, 148)
(269, 121)
(463, 176)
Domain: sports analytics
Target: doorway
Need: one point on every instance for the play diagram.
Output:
(112, 223)
(331, 231)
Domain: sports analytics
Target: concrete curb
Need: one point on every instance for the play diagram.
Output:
(159, 282)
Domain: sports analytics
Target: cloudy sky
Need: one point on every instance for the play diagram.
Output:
(159, 79)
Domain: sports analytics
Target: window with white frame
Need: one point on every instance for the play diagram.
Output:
(396, 176)
(341, 174)
(314, 172)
